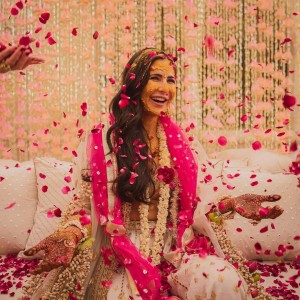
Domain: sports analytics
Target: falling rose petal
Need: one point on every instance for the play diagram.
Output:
(207, 178)
(95, 35)
(222, 140)
(10, 205)
(14, 11)
(50, 214)
(256, 145)
(286, 40)
(112, 80)
(47, 35)
(45, 16)
(83, 109)
(43, 176)
(254, 183)
(257, 248)
(289, 101)
(1, 178)
(44, 188)
(38, 29)
(239, 230)
(68, 179)
(74, 153)
(85, 220)
(65, 190)
(74, 31)
(230, 187)
(37, 44)
(264, 229)
(123, 103)
(57, 212)
(297, 238)
(132, 177)
(272, 226)
(244, 118)
(181, 49)
(231, 52)
(269, 180)
(281, 134)
(268, 130)
(20, 5)
(51, 41)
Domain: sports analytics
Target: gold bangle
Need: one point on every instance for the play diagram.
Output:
(4, 67)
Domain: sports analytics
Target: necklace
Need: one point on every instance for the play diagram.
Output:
(163, 207)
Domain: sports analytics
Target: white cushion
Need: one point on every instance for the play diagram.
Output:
(18, 201)
(244, 234)
(51, 180)
(260, 160)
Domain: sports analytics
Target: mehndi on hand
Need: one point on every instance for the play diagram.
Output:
(250, 206)
(59, 249)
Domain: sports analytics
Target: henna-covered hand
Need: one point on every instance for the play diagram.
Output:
(59, 249)
(250, 206)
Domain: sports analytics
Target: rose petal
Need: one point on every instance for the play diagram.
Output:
(43, 176)
(74, 31)
(65, 190)
(95, 35)
(257, 248)
(256, 145)
(264, 229)
(222, 140)
(10, 205)
(14, 11)
(51, 41)
(44, 188)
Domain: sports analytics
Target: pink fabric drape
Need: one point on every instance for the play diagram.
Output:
(146, 277)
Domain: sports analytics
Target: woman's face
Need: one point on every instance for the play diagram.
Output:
(160, 89)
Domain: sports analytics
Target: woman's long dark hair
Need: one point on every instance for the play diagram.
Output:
(127, 137)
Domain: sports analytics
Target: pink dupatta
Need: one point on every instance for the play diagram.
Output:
(146, 276)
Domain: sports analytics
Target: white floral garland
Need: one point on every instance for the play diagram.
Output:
(163, 206)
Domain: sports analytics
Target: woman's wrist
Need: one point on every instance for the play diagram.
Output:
(76, 231)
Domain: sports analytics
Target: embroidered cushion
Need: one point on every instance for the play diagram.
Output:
(55, 191)
(18, 202)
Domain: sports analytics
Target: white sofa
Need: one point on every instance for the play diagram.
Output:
(33, 193)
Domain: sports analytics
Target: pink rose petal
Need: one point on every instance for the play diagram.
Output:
(44, 188)
(51, 41)
(264, 229)
(68, 179)
(256, 145)
(95, 35)
(257, 248)
(222, 140)
(10, 205)
(14, 11)
(74, 31)
(65, 190)
(43, 176)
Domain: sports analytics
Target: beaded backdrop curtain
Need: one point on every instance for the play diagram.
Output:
(236, 61)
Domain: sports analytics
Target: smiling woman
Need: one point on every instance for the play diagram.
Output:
(140, 189)
(160, 90)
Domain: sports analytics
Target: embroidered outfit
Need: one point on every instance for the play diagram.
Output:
(116, 267)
